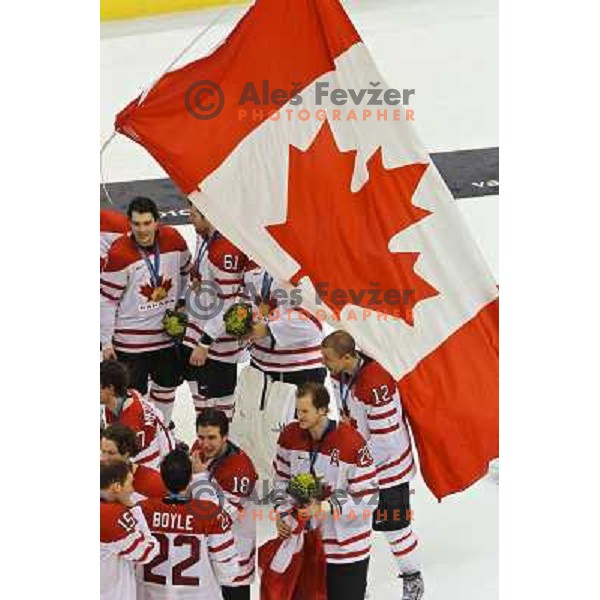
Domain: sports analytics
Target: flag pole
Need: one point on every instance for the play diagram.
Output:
(102, 178)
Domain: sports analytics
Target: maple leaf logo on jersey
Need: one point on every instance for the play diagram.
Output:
(158, 292)
(341, 237)
(334, 457)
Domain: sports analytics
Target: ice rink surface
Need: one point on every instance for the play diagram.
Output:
(448, 51)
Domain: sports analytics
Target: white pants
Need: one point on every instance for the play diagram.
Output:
(256, 431)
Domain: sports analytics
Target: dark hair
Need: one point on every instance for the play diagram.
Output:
(176, 471)
(124, 437)
(141, 204)
(317, 391)
(113, 471)
(191, 204)
(116, 374)
(212, 417)
(340, 342)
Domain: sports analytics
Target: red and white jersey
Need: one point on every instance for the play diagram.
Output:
(372, 399)
(218, 268)
(343, 463)
(294, 343)
(124, 541)
(132, 301)
(154, 439)
(147, 483)
(236, 477)
(113, 225)
(197, 552)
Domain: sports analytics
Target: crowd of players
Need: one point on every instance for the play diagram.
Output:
(179, 522)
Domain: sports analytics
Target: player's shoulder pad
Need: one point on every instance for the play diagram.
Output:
(251, 265)
(122, 253)
(112, 525)
(136, 409)
(148, 504)
(170, 240)
(212, 519)
(292, 437)
(241, 465)
(348, 441)
(373, 376)
(148, 482)
(221, 248)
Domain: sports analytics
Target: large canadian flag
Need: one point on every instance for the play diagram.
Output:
(341, 202)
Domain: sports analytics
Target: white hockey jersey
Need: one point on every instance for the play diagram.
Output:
(133, 301)
(372, 399)
(124, 541)
(197, 551)
(234, 478)
(217, 277)
(343, 463)
(296, 333)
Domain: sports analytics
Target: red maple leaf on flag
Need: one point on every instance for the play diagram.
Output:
(341, 238)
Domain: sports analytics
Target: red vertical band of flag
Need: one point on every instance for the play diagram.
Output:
(263, 47)
(441, 396)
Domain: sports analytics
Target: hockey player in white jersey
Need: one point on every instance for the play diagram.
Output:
(145, 274)
(285, 352)
(124, 536)
(126, 406)
(338, 456)
(368, 399)
(119, 442)
(216, 282)
(226, 468)
(197, 549)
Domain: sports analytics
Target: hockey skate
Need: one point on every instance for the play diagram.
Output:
(413, 587)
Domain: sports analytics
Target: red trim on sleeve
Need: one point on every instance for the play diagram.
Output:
(222, 546)
(385, 430)
(112, 285)
(384, 415)
(138, 540)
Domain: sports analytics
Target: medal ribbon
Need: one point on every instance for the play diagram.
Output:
(265, 288)
(206, 242)
(345, 388)
(153, 268)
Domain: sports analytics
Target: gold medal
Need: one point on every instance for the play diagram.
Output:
(196, 284)
(264, 309)
(158, 294)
